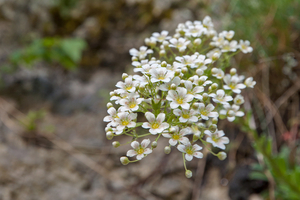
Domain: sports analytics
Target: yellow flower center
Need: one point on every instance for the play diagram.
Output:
(204, 112)
(125, 122)
(140, 151)
(132, 105)
(232, 86)
(155, 125)
(190, 151)
(128, 87)
(161, 77)
(176, 137)
(186, 116)
(179, 100)
(215, 138)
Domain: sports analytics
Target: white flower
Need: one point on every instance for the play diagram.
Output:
(125, 119)
(156, 125)
(131, 102)
(207, 22)
(142, 80)
(142, 53)
(218, 41)
(217, 139)
(180, 43)
(139, 150)
(221, 97)
(206, 111)
(178, 136)
(195, 30)
(161, 74)
(179, 98)
(218, 73)
(190, 151)
(245, 46)
(214, 54)
(186, 61)
(202, 80)
(127, 85)
(167, 86)
(231, 112)
(230, 46)
(194, 91)
(249, 82)
(238, 100)
(186, 115)
(233, 83)
(111, 118)
(161, 36)
(202, 61)
(228, 34)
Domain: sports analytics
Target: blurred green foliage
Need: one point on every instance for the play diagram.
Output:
(272, 26)
(31, 119)
(66, 52)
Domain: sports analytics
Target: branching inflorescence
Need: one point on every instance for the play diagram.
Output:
(179, 92)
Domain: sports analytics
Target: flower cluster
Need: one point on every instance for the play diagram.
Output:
(180, 91)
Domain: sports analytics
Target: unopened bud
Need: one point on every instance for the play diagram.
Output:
(153, 59)
(197, 41)
(112, 93)
(173, 86)
(232, 71)
(176, 35)
(184, 70)
(212, 128)
(195, 106)
(124, 76)
(134, 58)
(124, 160)
(167, 150)
(141, 87)
(109, 105)
(222, 155)
(154, 144)
(188, 173)
(172, 130)
(205, 96)
(116, 144)
(177, 72)
(214, 86)
(108, 129)
(191, 79)
(147, 41)
(215, 56)
(165, 43)
(214, 120)
(231, 113)
(164, 64)
(199, 72)
(214, 70)
(109, 135)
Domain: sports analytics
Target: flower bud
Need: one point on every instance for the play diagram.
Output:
(154, 144)
(124, 160)
(108, 129)
(191, 79)
(162, 52)
(212, 128)
(134, 58)
(215, 56)
(232, 71)
(199, 72)
(201, 125)
(222, 155)
(205, 96)
(197, 41)
(124, 76)
(147, 41)
(214, 120)
(165, 43)
(195, 137)
(167, 150)
(195, 106)
(164, 64)
(184, 70)
(112, 93)
(109, 135)
(116, 144)
(177, 72)
(173, 86)
(214, 70)
(153, 59)
(176, 35)
(188, 173)
(214, 86)
(141, 87)
(109, 105)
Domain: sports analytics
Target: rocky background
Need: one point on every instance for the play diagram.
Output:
(52, 139)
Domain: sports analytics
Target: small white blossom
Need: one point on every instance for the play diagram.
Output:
(206, 111)
(186, 61)
(180, 43)
(221, 97)
(156, 125)
(193, 90)
(190, 151)
(249, 82)
(124, 120)
(233, 83)
(161, 74)
(180, 97)
(238, 100)
(142, 53)
(128, 85)
(228, 34)
(217, 139)
(186, 115)
(245, 46)
(161, 36)
(139, 150)
(230, 46)
(131, 102)
(178, 136)
(218, 73)
(167, 86)
(231, 112)
(111, 118)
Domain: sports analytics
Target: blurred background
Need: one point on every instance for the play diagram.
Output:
(60, 59)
